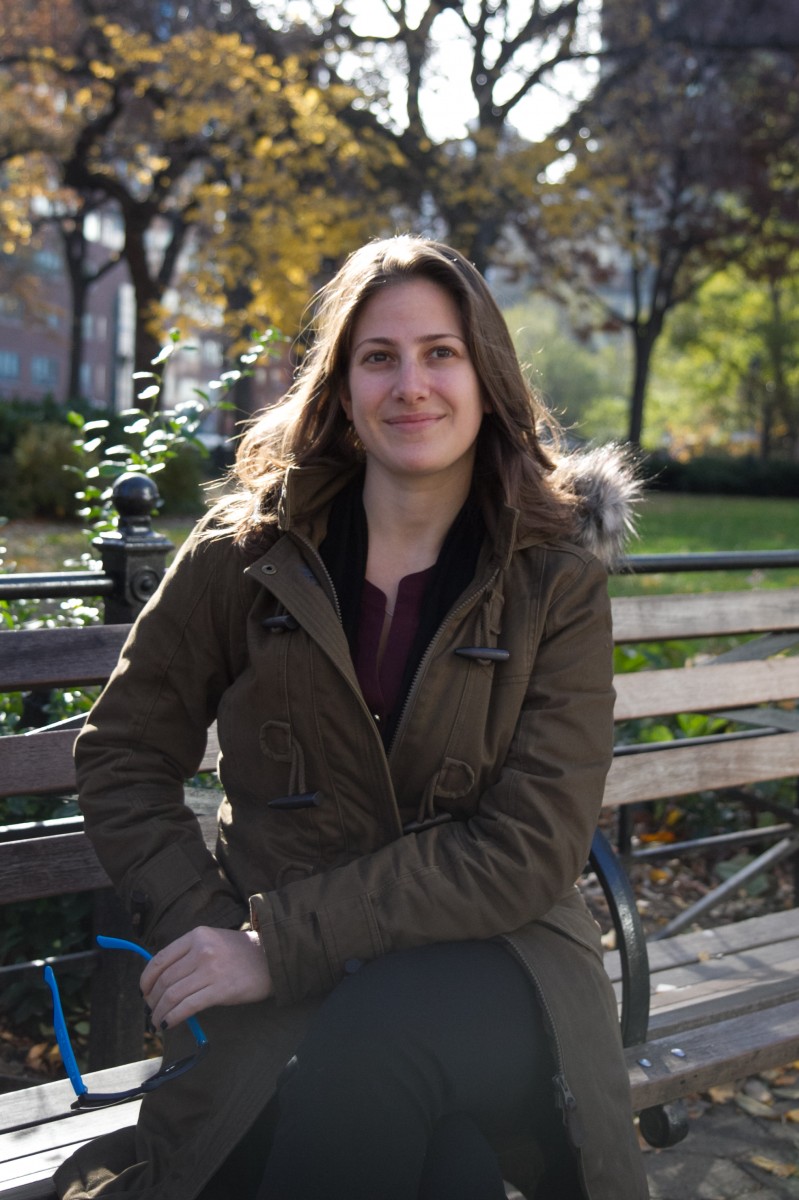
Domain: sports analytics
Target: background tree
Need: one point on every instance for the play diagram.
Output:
(170, 133)
(668, 171)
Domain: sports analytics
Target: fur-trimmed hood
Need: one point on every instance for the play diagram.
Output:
(609, 491)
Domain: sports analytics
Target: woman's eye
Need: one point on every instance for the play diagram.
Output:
(443, 352)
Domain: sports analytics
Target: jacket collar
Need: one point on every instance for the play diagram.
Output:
(306, 496)
(308, 492)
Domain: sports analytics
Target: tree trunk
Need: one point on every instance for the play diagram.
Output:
(75, 256)
(644, 338)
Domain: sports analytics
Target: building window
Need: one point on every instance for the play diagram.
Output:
(10, 309)
(44, 371)
(9, 364)
(86, 379)
(101, 328)
(211, 353)
(87, 326)
(48, 262)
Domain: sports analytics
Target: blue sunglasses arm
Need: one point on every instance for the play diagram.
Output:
(62, 1036)
(112, 943)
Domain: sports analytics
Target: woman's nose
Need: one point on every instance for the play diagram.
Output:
(410, 381)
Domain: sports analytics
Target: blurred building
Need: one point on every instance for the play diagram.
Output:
(36, 332)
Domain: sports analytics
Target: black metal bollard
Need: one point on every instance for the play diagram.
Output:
(133, 554)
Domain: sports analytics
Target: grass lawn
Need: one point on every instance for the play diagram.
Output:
(668, 524)
(673, 523)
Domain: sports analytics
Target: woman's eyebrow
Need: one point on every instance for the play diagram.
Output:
(425, 337)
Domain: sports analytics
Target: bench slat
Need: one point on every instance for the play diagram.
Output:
(47, 765)
(678, 771)
(58, 865)
(714, 1054)
(29, 1156)
(731, 685)
(54, 657)
(680, 615)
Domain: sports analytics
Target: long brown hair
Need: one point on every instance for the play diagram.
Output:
(310, 426)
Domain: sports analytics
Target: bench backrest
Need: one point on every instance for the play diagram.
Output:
(734, 684)
(40, 762)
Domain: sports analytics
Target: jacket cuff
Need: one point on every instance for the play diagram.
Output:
(305, 958)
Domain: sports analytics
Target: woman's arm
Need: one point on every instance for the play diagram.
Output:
(147, 734)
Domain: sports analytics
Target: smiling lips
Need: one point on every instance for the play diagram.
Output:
(414, 420)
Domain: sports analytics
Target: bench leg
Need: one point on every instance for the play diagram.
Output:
(117, 1009)
(664, 1125)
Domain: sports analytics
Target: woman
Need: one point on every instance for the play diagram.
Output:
(408, 656)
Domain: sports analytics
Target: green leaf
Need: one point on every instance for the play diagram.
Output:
(139, 426)
(75, 419)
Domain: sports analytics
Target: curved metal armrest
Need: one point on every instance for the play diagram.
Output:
(630, 939)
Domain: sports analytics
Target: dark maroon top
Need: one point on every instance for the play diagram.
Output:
(381, 686)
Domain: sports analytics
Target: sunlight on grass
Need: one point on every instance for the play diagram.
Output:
(668, 524)
(675, 524)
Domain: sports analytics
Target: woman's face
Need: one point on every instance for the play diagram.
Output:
(414, 396)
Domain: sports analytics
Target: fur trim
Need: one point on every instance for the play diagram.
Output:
(608, 490)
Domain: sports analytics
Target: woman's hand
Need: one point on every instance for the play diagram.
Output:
(204, 967)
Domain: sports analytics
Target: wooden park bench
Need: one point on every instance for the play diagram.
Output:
(696, 1009)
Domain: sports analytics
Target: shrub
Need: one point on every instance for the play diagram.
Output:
(722, 475)
(41, 486)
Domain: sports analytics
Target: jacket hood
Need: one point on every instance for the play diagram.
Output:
(608, 491)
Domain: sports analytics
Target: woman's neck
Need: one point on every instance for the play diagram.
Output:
(407, 527)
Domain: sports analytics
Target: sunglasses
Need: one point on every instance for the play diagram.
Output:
(87, 1099)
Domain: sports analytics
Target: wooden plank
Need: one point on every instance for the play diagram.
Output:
(736, 938)
(37, 763)
(49, 1103)
(56, 657)
(58, 865)
(705, 689)
(61, 864)
(713, 1054)
(33, 1182)
(706, 1004)
(678, 771)
(709, 614)
(29, 1156)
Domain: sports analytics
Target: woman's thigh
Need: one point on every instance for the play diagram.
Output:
(456, 1024)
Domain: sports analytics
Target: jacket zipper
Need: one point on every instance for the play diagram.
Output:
(318, 558)
(564, 1097)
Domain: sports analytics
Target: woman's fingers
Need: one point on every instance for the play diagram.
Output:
(203, 968)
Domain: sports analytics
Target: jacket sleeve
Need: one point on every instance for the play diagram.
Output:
(147, 734)
(509, 864)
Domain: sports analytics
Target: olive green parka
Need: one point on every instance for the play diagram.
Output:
(474, 824)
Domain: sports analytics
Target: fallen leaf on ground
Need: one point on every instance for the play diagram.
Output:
(756, 1089)
(722, 1094)
(755, 1108)
(780, 1169)
(792, 1115)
